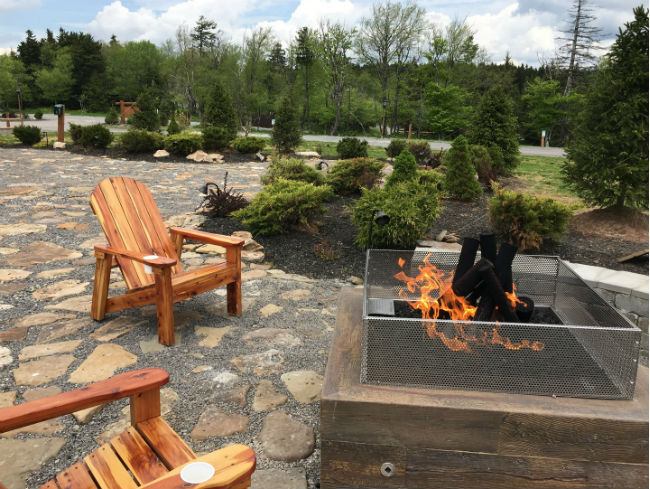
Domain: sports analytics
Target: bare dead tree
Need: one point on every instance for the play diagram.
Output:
(579, 41)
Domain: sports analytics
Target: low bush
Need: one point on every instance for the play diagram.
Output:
(350, 176)
(352, 148)
(291, 169)
(221, 202)
(173, 127)
(216, 138)
(460, 179)
(526, 221)
(28, 135)
(141, 141)
(483, 164)
(75, 132)
(404, 168)
(430, 177)
(284, 205)
(395, 147)
(412, 207)
(183, 143)
(248, 144)
(38, 114)
(95, 136)
(112, 116)
(421, 150)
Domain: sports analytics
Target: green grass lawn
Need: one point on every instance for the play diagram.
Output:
(541, 176)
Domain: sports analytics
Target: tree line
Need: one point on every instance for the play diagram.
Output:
(392, 71)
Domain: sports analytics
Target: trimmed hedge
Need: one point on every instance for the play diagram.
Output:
(526, 221)
(248, 144)
(350, 176)
(412, 207)
(95, 136)
(28, 135)
(284, 205)
(184, 143)
(352, 148)
(141, 141)
(291, 169)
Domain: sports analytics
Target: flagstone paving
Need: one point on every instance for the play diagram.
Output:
(251, 379)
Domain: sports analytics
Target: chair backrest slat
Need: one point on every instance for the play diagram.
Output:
(131, 221)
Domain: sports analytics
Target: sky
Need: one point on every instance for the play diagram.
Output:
(526, 29)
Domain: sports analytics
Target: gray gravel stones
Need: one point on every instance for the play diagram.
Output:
(231, 363)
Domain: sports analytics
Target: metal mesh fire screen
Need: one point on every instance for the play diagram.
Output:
(576, 344)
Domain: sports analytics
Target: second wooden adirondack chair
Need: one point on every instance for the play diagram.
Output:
(149, 257)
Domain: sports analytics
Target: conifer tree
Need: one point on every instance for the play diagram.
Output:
(460, 179)
(495, 123)
(608, 148)
(219, 112)
(286, 133)
(405, 168)
(147, 117)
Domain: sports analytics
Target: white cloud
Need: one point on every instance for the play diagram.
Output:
(19, 5)
(524, 35)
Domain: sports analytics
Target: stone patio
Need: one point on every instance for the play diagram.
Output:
(252, 379)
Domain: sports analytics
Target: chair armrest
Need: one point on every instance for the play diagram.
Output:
(159, 262)
(232, 464)
(117, 387)
(210, 238)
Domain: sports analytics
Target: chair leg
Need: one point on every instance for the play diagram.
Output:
(100, 287)
(164, 306)
(233, 295)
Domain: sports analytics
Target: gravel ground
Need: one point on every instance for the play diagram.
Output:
(52, 189)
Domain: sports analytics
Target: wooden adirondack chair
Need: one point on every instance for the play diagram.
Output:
(137, 237)
(148, 455)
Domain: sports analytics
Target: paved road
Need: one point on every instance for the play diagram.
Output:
(49, 123)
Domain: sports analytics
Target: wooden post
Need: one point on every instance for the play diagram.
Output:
(410, 129)
(164, 305)
(100, 289)
(145, 405)
(60, 137)
(233, 289)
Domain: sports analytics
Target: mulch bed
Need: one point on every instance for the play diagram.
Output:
(297, 252)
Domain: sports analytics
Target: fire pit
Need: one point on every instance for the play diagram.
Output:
(446, 403)
(574, 344)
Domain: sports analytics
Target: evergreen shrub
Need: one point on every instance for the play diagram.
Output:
(404, 168)
(248, 144)
(291, 169)
(411, 205)
(460, 179)
(28, 135)
(284, 205)
(350, 176)
(141, 141)
(112, 116)
(184, 143)
(286, 134)
(421, 150)
(219, 112)
(38, 114)
(495, 122)
(352, 148)
(173, 127)
(526, 221)
(95, 136)
(216, 138)
(146, 117)
(75, 132)
(483, 163)
(395, 147)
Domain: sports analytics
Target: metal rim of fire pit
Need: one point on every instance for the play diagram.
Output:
(592, 354)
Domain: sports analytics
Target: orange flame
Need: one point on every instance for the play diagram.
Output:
(437, 296)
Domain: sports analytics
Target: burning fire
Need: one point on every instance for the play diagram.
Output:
(437, 296)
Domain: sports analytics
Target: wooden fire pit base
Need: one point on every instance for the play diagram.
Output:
(398, 437)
